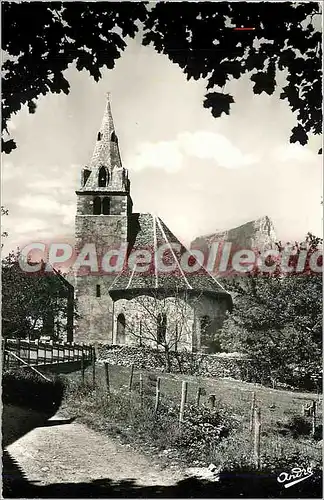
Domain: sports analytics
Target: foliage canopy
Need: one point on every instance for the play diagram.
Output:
(42, 39)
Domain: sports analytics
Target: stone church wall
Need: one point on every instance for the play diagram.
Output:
(206, 365)
(94, 321)
(141, 315)
(102, 230)
(98, 318)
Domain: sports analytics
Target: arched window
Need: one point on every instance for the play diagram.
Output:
(103, 178)
(113, 137)
(86, 174)
(99, 136)
(106, 206)
(121, 323)
(97, 206)
(161, 328)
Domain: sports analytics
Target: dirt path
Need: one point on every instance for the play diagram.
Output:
(73, 453)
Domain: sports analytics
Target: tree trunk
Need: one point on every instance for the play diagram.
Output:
(167, 360)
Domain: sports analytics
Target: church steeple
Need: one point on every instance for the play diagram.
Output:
(105, 171)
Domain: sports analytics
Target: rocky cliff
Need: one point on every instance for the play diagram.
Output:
(258, 234)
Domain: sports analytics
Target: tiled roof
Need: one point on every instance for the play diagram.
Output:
(148, 232)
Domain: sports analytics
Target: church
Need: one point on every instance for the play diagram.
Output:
(163, 306)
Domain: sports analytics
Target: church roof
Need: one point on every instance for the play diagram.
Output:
(148, 232)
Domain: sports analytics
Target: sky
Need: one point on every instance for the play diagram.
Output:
(198, 173)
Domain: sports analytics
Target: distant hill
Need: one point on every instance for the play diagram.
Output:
(257, 233)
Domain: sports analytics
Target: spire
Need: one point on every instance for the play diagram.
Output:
(105, 171)
(106, 152)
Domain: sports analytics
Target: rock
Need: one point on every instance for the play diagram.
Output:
(210, 473)
(258, 234)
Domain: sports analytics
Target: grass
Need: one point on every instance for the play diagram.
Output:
(123, 415)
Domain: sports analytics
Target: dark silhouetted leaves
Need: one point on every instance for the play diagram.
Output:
(299, 135)
(280, 42)
(265, 81)
(8, 146)
(219, 103)
(43, 39)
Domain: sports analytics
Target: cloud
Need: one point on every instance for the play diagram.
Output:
(49, 206)
(31, 226)
(10, 171)
(41, 203)
(294, 152)
(52, 179)
(45, 184)
(213, 146)
(165, 155)
(170, 155)
(11, 125)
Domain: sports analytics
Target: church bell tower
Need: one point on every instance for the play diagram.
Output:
(104, 206)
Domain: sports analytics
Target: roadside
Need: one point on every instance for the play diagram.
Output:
(70, 453)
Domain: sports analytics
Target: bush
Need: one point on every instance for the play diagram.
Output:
(201, 427)
(25, 388)
(124, 414)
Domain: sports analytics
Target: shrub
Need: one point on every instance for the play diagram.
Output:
(27, 389)
(202, 425)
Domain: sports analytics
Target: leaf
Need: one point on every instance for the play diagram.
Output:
(265, 80)
(197, 39)
(299, 135)
(31, 106)
(218, 102)
(8, 146)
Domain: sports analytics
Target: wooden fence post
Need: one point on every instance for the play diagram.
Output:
(198, 396)
(82, 366)
(184, 391)
(141, 389)
(252, 411)
(4, 347)
(257, 434)
(107, 378)
(37, 348)
(313, 418)
(157, 394)
(212, 401)
(131, 378)
(93, 367)
(28, 353)
(18, 347)
(51, 348)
